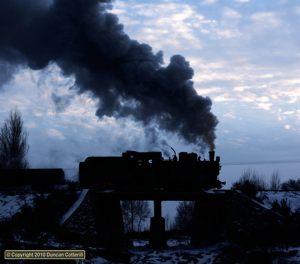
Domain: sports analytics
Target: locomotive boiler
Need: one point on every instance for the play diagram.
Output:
(148, 171)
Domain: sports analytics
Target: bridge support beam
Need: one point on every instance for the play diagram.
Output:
(108, 221)
(157, 208)
(157, 228)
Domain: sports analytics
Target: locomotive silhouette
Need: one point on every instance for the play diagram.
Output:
(148, 171)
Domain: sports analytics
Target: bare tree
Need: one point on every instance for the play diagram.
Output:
(13, 142)
(143, 212)
(134, 213)
(250, 182)
(275, 181)
(291, 185)
(184, 215)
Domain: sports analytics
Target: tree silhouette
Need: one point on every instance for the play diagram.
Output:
(291, 185)
(13, 142)
(275, 181)
(184, 215)
(250, 182)
(135, 212)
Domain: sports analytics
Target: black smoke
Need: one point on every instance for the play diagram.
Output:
(86, 41)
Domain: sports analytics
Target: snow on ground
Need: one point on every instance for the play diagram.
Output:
(180, 253)
(11, 204)
(292, 197)
(184, 241)
(190, 255)
(177, 252)
(97, 260)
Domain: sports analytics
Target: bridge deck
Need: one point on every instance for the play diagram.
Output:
(161, 195)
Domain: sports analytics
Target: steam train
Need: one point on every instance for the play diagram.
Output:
(132, 171)
(149, 171)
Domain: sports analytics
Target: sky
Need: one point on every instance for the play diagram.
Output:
(244, 56)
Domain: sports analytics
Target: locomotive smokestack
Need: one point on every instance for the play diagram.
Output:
(211, 155)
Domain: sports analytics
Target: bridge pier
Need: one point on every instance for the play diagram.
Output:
(108, 220)
(157, 228)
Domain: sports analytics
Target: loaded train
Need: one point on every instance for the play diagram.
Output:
(146, 171)
(140, 171)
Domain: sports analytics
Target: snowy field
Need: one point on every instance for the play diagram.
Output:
(11, 204)
(292, 197)
(175, 254)
(191, 255)
(178, 251)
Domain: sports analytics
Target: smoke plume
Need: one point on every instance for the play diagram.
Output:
(86, 41)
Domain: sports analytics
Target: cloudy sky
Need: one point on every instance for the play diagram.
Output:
(245, 56)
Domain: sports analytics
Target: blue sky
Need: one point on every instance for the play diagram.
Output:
(245, 56)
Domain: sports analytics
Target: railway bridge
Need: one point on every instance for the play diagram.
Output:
(209, 203)
(106, 215)
(147, 176)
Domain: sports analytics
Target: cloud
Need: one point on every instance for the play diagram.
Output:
(54, 133)
(263, 99)
(208, 2)
(281, 117)
(288, 112)
(231, 114)
(223, 98)
(118, 11)
(212, 65)
(228, 33)
(249, 61)
(178, 20)
(246, 96)
(264, 106)
(81, 124)
(293, 100)
(296, 10)
(230, 13)
(31, 124)
(266, 20)
(241, 88)
(205, 91)
(287, 126)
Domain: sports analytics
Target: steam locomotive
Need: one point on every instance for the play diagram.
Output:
(149, 171)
